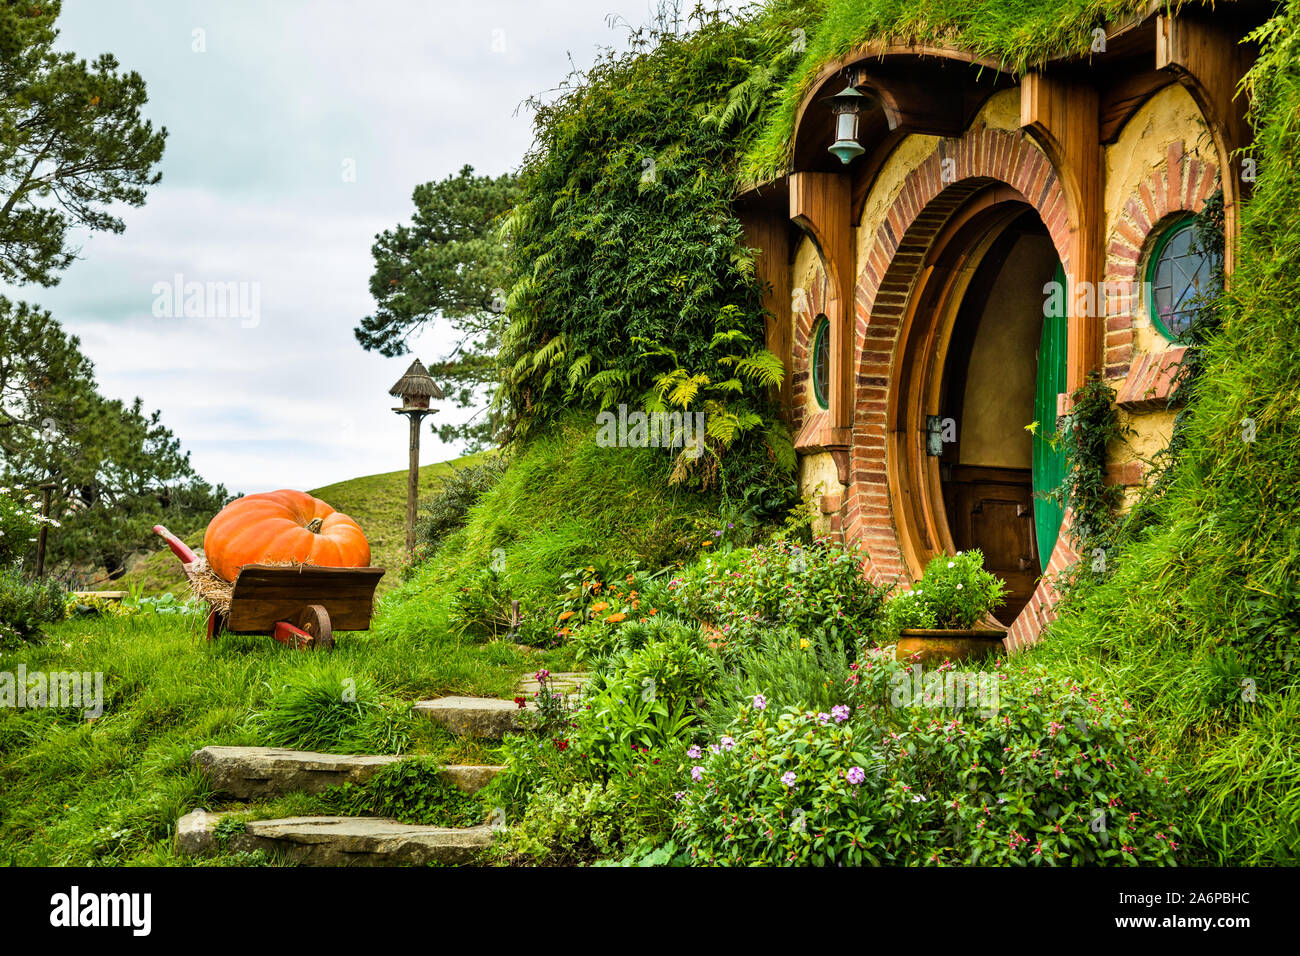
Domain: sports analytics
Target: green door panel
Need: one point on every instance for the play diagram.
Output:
(1049, 462)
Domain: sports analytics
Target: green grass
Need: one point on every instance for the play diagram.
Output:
(563, 501)
(376, 502)
(109, 791)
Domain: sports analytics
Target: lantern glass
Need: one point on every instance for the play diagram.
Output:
(846, 124)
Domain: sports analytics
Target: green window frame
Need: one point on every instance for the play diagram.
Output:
(821, 361)
(1169, 268)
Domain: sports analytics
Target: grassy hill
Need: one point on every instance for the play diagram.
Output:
(376, 502)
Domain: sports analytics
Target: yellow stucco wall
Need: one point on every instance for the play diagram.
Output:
(1141, 149)
(1170, 115)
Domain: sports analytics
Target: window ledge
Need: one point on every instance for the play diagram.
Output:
(1150, 380)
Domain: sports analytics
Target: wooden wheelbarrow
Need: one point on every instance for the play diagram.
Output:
(298, 606)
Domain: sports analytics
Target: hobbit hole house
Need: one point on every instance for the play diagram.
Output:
(1000, 239)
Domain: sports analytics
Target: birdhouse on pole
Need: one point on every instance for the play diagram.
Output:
(415, 388)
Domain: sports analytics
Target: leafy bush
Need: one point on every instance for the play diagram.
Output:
(805, 588)
(448, 509)
(481, 608)
(411, 791)
(26, 606)
(568, 817)
(644, 699)
(954, 592)
(1044, 773)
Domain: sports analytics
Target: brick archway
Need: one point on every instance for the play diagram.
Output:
(933, 191)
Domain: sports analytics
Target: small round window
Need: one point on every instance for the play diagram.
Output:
(821, 362)
(1178, 274)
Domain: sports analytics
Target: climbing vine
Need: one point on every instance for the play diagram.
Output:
(1086, 433)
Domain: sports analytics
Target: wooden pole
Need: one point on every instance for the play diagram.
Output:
(41, 535)
(413, 479)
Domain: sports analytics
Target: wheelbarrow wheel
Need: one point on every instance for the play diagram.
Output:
(315, 620)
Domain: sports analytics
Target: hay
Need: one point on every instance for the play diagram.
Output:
(211, 587)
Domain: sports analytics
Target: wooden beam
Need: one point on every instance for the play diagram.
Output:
(1125, 97)
(1208, 59)
(769, 233)
(820, 204)
(1063, 117)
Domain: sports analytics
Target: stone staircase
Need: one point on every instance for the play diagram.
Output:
(337, 841)
(260, 773)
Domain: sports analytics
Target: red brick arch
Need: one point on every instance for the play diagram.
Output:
(925, 203)
(1180, 184)
(808, 302)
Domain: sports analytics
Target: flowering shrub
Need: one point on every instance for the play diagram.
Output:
(571, 818)
(749, 591)
(1052, 776)
(644, 699)
(954, 592)
(790, 670)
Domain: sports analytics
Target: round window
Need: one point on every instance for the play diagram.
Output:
(821, 362)
(1178, 274)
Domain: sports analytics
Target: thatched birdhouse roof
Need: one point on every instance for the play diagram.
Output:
(416, 383)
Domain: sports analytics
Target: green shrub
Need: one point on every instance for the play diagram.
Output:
(411, 791)
(1047, 773)
(954, 592)
(448, 510)
(644, 699)
(568, 817)
(27, 605)
(481, 609)
(805, 588)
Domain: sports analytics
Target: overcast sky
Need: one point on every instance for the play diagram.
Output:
(296, 132)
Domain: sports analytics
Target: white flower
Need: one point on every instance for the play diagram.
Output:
(952, 564)
(959, 587)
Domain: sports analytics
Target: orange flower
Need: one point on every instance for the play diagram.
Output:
(566, 615)
(615, 618)
(654, 610)
(599, 606)
(636, 603)
(629, 579)
(563, 632)
(707, 544)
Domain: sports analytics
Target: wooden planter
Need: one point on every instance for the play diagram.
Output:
(936, 646)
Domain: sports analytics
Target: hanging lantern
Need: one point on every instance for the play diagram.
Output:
(847, 106)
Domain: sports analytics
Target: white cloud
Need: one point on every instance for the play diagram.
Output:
(252, 191)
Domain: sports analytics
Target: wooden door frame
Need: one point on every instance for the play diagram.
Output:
(924, 337)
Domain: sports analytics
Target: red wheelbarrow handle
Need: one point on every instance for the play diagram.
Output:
(179, 547)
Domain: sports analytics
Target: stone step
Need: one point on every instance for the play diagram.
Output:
(338, 841)
(255, 773)
(561, 682)
(485, 717)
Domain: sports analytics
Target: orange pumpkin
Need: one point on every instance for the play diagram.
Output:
(283, 526)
